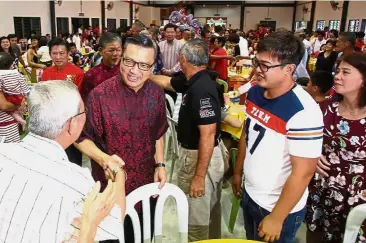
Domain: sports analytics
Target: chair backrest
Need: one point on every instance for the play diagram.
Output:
(143, 194)
(354, 221)
(170, 104)
(172, 125)
(222, 82)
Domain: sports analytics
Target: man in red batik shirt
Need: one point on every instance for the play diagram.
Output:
(111, 50)
(62, 70)
(127, 117)
(219, 65)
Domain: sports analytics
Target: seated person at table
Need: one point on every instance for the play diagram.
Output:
(319, 85)
(234, 122)
(14, 86)
(219, 65)
(75, 53)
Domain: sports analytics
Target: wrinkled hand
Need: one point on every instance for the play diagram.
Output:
(236, 185)
(197, 188)
(97, 205)
(110, 163)
(322, 166)
(270, 229)
(160, 176)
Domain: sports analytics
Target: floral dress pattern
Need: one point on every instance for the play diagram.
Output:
(331, 199)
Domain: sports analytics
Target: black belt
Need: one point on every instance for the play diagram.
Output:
(190, 147)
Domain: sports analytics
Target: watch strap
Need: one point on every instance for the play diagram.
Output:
(157, 165)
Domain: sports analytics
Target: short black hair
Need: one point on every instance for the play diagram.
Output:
(72, 44)
(58, 42)
(204, 32)
(335, 32)
(348, 36)
(170, 25)
(320, 32)
(332, 42)
(323, 79)
(141, 41)
(11, 36)
(284, 46)
(43, 41)
(6, 60)
(220, 39)
(218, 28)
(109, 37)
(234, 37)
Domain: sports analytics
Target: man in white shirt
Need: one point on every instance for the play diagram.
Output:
(243, 44)
(281, 143)
(317, 42)
(41, 192)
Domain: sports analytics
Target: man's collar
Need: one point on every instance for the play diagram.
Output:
(46, 147)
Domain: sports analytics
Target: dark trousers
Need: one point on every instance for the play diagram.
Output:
(128, 228)
(254, 214)
(74, 155)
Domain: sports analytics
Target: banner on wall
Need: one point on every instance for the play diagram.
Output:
(216, 21)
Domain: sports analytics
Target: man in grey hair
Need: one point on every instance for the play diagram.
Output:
(42, 194)
(200, 175)
(111, 51)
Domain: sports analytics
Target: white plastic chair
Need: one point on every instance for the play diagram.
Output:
(170, 104)
(174, 142)
(143, 194)
(354, 221)
(167, 137)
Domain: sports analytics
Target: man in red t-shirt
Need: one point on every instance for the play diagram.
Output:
(62, 70)
(219, 65)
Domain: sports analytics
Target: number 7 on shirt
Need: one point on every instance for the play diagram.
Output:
(258, 128)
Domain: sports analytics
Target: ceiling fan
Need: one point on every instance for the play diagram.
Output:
(335, 5)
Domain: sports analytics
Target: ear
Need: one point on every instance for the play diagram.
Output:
(290, 69)
(72, 126)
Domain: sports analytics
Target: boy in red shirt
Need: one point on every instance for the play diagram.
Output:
(219, 65)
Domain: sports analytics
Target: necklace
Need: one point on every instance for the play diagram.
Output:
(352, 112)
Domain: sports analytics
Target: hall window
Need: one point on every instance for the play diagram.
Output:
(62, 25)
(354, 25)
(320, 24)
(123, 23)
(334, 24)
(95, 22)
(300, 24)
(111, 24)
(24, 25)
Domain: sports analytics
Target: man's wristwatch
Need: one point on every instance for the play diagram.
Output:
(157, 165)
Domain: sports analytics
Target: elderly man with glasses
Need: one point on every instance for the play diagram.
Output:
(41, 192)
(127, 117)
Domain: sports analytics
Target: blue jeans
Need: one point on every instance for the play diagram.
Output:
(254, 214)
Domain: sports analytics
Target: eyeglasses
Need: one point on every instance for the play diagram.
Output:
(263, 67)
(84, 112)
(141, 65)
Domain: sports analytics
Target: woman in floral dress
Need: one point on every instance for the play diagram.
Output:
(340, 181)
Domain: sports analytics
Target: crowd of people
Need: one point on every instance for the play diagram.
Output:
(301, 155)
